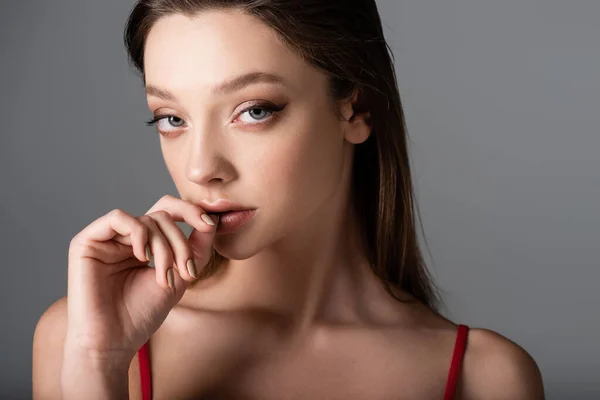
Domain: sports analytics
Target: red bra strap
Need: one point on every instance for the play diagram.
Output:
(459, 351)
(144, 359)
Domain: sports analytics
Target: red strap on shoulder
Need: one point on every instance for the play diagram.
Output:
(459, 351)
(144, 359)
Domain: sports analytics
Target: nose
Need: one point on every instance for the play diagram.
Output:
(208, 163)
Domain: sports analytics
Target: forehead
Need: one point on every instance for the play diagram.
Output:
(213, 46)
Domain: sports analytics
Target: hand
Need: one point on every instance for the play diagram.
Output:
(115, 301)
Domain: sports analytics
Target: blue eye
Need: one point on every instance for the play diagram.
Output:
(260, 112)
(257, 113)
(173, 120)
(166, 123)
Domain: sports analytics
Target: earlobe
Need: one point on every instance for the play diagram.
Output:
(357, 128)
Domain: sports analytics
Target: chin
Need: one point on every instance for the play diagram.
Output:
(246, 243)
(238, 245)
(249, 240)
(236, 253)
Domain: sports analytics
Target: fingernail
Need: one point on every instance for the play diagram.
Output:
(148, 253)
(170, 278)
(191, 267)
(207, 219)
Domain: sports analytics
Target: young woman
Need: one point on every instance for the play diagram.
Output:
(281, 125)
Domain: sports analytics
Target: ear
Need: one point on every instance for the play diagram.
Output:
(355, 120)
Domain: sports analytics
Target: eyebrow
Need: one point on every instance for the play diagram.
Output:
(226, 87)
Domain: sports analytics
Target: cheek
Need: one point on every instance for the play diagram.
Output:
(304, 169)
(176, 167)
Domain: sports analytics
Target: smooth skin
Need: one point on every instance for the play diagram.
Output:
(296, 312)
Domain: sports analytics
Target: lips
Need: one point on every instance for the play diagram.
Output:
(231, 215)
(232, 220)
(222, 206)
(226, 215)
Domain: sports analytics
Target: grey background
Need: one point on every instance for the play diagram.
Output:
(502, 100)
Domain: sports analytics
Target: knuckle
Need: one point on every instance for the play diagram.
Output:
(117, 212)
(75, 241)
(162, 214)
(139, 229)
(151, 223)
(144, 219)
(79, 245)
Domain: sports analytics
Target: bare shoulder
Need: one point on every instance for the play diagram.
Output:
(48, 341)
(495, 367)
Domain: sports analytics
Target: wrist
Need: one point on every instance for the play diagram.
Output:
(94, 375)
(90, 378)
(102, 360)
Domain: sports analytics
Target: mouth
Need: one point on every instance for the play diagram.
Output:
(220, 214)
(231, 215)
(231, 220)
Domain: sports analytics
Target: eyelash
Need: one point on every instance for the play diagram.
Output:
(272, 109)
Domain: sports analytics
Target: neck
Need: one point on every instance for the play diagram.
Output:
(318, 274)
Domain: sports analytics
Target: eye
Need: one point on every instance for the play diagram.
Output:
(166, 122)
(259, 113)
(173, 120)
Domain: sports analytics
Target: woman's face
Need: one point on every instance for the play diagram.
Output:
(272, 141)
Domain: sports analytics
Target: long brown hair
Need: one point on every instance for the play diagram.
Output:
(343, 38)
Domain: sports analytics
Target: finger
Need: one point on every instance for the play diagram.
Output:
(126, 240)
(204, 225)
(160, 250)
(201, 244)
(111, 252)
(182, 251)
(115, 222)
(184, 211)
